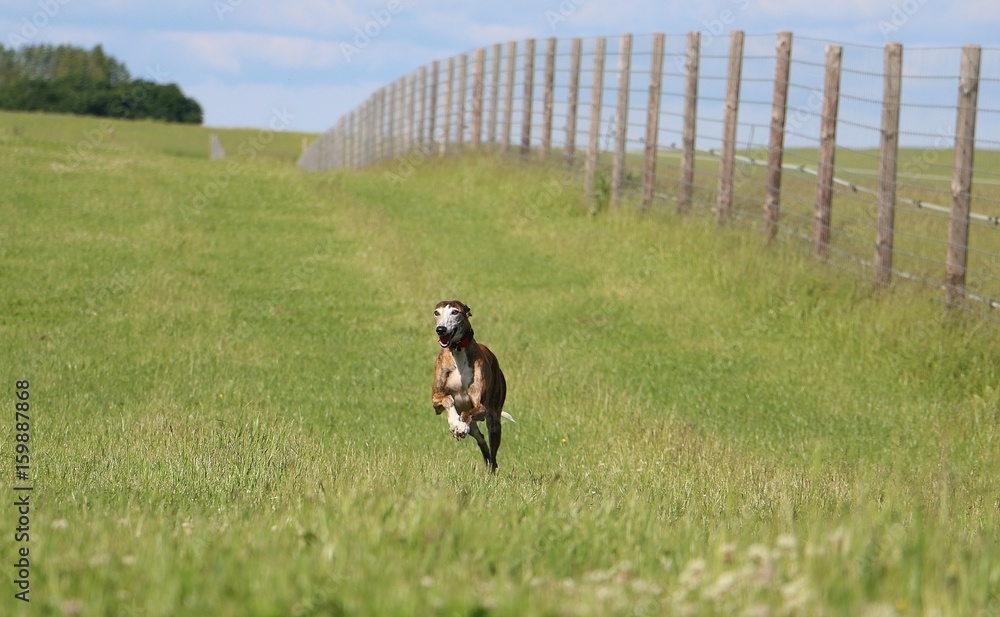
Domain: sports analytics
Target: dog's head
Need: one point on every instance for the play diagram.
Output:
(452, 318)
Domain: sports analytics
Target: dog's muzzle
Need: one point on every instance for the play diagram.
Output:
(444, 337)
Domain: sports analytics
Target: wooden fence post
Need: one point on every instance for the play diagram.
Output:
(352, 132)
(776, 146)
(384, 100)
(724, 197)
(371, 123)
(359, 136)
(371, 127)
(690, 121)
(411, 107)
(573, 100)
(478, 77)
(508, 110)
(345, 142)
(343, 145)
(494, 92)
(396, 123)
(403, 119)
(375, 140)
(885, 217)
(446, 112)
(432, 107)
(422, 108)
(653, 120)
(961, 180)
(463, 84)
(827, 150)
(342, 142)
(377, 122)
(388, 145)
(400, 123)
(349, 139)
(356, 137)
(594, 137)
(529, 84)
(621, 117)
(389, 149)
(348, 148)
(549, 96)
(365, 124)
(388, 110)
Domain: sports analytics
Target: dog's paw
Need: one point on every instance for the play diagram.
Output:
(459, 430)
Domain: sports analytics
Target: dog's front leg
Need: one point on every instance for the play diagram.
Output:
(477, 411)
(459, 429)
(446, 403)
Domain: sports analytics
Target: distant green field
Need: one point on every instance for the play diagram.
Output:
(229, 372)
(74, 137)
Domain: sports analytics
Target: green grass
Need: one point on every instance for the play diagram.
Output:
(231, 410)
(921, 233)
(74, 137)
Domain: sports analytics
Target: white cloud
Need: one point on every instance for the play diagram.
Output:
(791, 10)
(469, 32)
(234, 52)
(315, 16)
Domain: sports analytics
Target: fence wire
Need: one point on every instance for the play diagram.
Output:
(544, 106)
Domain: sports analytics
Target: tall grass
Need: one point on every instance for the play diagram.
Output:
(231, 401)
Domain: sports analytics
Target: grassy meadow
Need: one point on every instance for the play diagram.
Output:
(230, 364)
(921, 228)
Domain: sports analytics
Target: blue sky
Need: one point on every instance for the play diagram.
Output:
(244, 59)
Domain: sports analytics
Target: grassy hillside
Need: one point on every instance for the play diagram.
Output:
(230, 364)
(73, 138)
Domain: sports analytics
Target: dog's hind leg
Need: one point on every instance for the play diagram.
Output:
(493, 428)
(475, 432)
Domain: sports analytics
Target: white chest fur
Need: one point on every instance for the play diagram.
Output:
(459, 380)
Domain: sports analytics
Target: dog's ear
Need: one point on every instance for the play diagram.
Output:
(468, 310)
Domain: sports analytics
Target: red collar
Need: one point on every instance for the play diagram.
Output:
(462, 344)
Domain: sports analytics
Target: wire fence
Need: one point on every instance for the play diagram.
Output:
(866, 154)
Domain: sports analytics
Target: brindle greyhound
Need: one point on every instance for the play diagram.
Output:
(468, 383)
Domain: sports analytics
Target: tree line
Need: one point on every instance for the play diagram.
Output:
(69, 79)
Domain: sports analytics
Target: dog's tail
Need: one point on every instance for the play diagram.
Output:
(504, 414)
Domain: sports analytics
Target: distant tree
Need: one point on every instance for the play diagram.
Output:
(70, 79)
(146, 99)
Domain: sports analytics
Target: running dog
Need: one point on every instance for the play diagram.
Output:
(468, 383)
